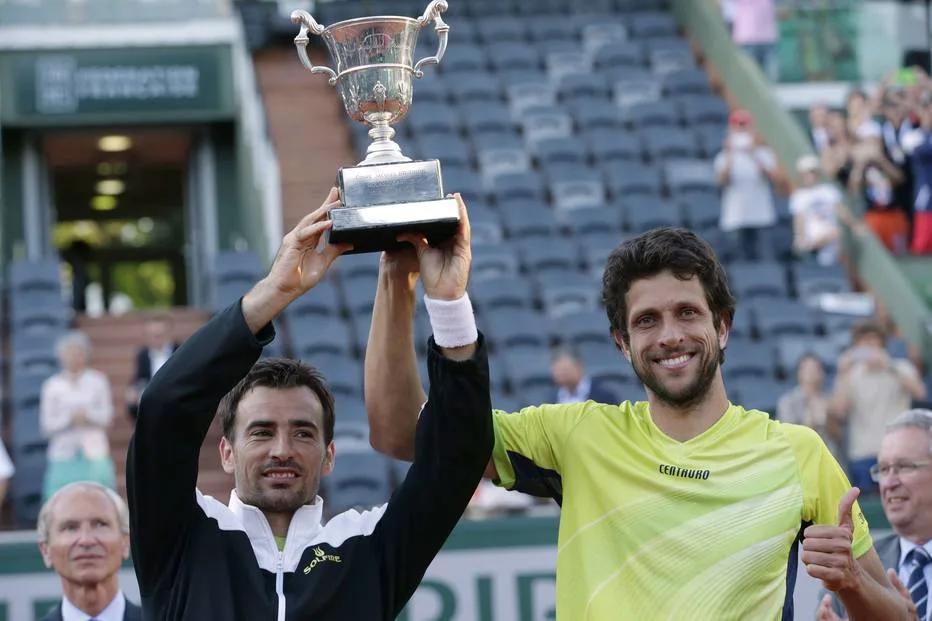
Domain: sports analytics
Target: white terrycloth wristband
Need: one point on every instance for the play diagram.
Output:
(452, 321)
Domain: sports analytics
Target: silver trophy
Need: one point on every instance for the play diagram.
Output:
(387, 193)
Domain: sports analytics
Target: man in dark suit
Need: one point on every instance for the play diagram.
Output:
(149, 359)
(84, 537)
(572, 383)
(904, 473)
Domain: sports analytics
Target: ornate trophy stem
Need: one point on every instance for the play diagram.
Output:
(383, 150)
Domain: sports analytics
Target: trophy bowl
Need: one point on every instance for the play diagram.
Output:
(387, 193)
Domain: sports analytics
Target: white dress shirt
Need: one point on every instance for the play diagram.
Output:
(158, 357)
(113, 612)
(62, 397)
(907, 568)
(577, 396)
(6, 465)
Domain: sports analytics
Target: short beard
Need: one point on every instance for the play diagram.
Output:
(690, 396)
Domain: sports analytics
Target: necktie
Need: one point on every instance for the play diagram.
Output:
(918, 589)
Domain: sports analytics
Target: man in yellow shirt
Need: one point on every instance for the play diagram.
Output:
(684, 506)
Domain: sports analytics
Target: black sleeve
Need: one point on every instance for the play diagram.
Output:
(141, 373)
(452, 449)
(175, 413)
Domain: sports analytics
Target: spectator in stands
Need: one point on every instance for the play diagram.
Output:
(870, 390)
(6, 472)
(150, 358)
(572, 384)
(755, 28)
(816, 206)
(84, 536)
(855, 158)
(818, 121)
(904, 473)
(918, 143)
(746, 168)
(895, 125)
(807, 404)
(75, 410)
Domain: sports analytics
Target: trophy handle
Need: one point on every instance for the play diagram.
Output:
(432, 13)
(308, 23)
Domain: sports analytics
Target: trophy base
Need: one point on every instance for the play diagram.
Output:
(382, 201)
(376, 228)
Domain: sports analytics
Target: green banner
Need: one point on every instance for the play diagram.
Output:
(109, 86)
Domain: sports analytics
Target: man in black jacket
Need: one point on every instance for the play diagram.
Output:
(267, 555)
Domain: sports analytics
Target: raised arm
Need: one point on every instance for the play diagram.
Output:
(392, 383)
(454, 436)
(178, 406)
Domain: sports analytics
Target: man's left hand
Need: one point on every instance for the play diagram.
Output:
(827, 549)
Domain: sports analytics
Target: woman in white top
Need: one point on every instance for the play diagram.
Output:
(76, 409)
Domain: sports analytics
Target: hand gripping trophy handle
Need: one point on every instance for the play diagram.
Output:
(433, 13)
(308, 23)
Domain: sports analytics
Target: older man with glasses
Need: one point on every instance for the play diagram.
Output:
(904, 474)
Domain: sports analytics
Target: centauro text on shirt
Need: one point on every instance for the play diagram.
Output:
(652, 528)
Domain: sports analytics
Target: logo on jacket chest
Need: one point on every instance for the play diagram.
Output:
(321, 557)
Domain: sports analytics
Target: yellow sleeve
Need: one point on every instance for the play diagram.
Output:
(529, 446)
(824, 483)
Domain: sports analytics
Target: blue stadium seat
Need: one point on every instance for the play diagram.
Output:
(517, 186)
(525, 94)
(39, 275)
(323, 299)
(743, 324)
(581, 327)
(549, 28)
(687, 174)
(513, 56)
(494, 261)
(501, 160)
(360, 481)
(433, 118)
(430, 88)
(778, 317)
(568, 294)
(27, 430)
(791, 348)
(710, 138)
(542, 124)
(651, 113)
(703, 110)
(651, 24)
(38, 308)
(474, 87)
(343, 374)
(758, 279)
(509, 327)
(523, 219)
(615, 55)
(229, 291)
(528, 369)
(581, 189)
(358, 294)
(463, 58)
(487, 117)
(542, 254)
(611, 145)
(644, 214)
(450, 150)
(351, 266)
(237, 266)
(497, 29)
(583, 88)
(758, 394)
(562, 150)
(505, 292)
(700, 213)
(665, 143)
(626, 179)
(485, 224)
(465, 182)
(315, 334)
(585, 220)
(745, 358)
(595, 116)
(666, 61)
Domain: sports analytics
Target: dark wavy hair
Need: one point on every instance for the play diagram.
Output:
(277, 373)
(678, 250)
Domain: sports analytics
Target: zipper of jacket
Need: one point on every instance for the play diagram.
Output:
(280, 585)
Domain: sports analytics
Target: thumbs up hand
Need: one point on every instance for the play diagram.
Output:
(827, 549)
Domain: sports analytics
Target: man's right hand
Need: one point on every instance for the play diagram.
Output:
(825, 611)
(297, 268)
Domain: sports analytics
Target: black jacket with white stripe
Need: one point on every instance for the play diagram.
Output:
(200, 560)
